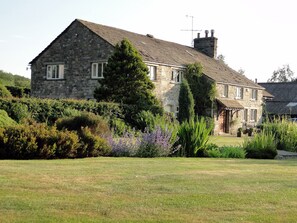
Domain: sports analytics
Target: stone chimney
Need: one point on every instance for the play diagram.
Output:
(207, 45)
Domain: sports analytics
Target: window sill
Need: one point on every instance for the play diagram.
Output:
(55, 79)
(97, 78)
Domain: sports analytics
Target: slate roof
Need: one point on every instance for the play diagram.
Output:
(230, 104)
(164, 52)
(284, 93)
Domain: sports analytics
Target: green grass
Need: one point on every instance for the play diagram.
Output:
(227, 140)
(148, 190)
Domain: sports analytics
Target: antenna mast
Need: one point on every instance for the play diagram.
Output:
(192, 28)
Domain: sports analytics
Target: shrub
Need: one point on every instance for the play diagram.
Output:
(19, 112)
(96, 124)
(127, 145)
(186, 102)
(261, 146)
(233, 152)
(155, 144)
(49, 110)
(92, 145)
(4, 93)
(145, 120)
(285, 134)
(5, 120)
(193, 136)
(119, 127)
(18, 92)
(37, 141)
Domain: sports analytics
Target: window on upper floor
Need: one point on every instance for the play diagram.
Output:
(254, 94)
(177, 76)
(152, 72)
(239, 93)
(225, 91)
(253, 115)
(98, 69)
(55, 71)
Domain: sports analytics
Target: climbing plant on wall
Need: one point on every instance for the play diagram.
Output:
(203, 89)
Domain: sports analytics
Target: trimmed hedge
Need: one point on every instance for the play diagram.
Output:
(49, 110)
(18, 92)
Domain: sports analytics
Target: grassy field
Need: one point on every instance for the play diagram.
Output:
(148, 190)
(227, 140)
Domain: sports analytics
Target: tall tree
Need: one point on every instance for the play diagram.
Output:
(203, 89)
(126, 80)
(186, 103)
(284, 74)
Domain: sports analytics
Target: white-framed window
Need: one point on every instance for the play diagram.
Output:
(239, 93)
(54, 71)
(253, 115)
(177, 76)
(225, 91)
(98, 69)
(254, 94)
(152, 72)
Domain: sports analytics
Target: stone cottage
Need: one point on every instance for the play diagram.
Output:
(72, 64)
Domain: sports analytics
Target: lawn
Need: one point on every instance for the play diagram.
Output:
(227, 140)
(148, 190)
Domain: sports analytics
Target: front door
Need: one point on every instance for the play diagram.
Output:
(227, 121)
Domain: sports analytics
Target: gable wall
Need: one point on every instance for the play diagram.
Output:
(76, 48)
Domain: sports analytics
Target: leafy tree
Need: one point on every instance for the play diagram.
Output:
(284, 74)
(186, 103)
(203, 89)
(126, 80)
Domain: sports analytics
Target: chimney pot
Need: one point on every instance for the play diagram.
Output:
(198, 35)
(212, 32)
(206, 33)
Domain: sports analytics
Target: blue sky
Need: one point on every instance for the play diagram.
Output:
(258, 36)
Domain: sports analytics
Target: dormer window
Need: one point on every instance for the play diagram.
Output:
(177, 76)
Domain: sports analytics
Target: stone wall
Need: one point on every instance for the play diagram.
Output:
(76, 48)
(247, 102)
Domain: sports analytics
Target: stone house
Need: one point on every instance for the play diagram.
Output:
(72, 64)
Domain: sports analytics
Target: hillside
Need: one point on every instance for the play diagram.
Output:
(8, 79)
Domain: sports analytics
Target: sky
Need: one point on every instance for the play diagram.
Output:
(257, 36)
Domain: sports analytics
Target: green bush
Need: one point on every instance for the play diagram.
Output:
(285, 134)
(18, 92)
(261, 146)
(4, 93)
(18, 112)
(232, 152)
(193, 136)
(95, 123)
(5, 120)
(92, 145)
(49, 110)
(37, 141)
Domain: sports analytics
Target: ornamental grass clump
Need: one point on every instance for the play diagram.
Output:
(261, 146)
(193, 136)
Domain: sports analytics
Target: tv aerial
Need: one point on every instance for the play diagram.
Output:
(192, 30)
